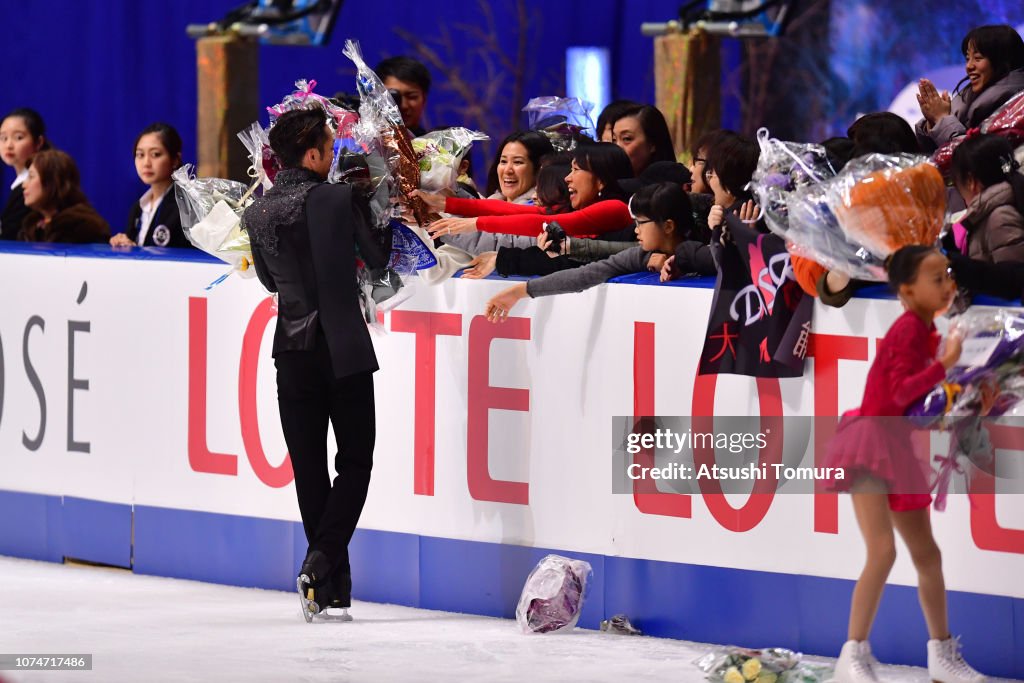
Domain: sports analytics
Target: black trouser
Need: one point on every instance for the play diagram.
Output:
(309, 397)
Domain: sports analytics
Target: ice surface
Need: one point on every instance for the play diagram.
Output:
(143, 628)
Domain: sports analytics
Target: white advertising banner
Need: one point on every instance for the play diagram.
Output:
(126, 381)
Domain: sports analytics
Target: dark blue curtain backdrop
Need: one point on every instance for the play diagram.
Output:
(101, 70)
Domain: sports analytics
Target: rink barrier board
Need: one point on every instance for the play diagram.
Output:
(53, 528)
(664, 599)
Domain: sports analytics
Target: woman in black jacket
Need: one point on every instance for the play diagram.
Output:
(154, 220)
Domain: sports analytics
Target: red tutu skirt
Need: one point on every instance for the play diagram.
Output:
(882, 448)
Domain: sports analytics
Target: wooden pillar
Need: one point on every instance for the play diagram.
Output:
(687, 76)
(228, 69)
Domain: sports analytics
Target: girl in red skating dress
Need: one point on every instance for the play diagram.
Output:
(888, 482)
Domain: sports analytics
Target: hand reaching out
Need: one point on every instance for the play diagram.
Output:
(433, 202)
(481, 266)
(451, 226)
(499, 307)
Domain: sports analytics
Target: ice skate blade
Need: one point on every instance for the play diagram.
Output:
(309, 607)
(343, 617)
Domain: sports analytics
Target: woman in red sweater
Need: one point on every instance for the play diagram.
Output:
(598, 202)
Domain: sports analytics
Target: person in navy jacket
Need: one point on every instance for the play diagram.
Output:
(154, 220)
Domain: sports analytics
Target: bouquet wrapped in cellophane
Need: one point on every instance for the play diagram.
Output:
(767, 665)
(440, 154)
(561, 119)
(783, 169)
(993, 354)
(875, 205)
(211, 212)
(553, 595)
(986, 383)
(381, 130)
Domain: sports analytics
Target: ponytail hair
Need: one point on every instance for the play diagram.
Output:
(989, 159)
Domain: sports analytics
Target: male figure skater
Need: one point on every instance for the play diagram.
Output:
(305, 234)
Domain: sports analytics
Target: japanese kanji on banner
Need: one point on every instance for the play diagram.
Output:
(760, 318)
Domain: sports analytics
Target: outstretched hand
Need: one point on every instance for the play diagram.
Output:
(451, 226)
(433, 202)
(499, 307)
(481, 266)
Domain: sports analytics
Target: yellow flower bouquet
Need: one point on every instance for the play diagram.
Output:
(768, 665)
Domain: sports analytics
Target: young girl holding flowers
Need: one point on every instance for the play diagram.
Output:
(888, 484)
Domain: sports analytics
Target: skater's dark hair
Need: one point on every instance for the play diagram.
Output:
(297, 131)
(839, 151)
(903, 264)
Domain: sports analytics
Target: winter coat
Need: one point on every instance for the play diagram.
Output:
(77, 224)
(995, 229)
(968, 111)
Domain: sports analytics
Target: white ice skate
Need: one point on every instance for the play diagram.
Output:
(947, 665)
(855, 664)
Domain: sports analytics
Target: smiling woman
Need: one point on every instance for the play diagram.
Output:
(994, 65)
(598, 201)
(513, 174)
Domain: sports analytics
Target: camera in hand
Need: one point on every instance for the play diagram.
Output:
(556, 235)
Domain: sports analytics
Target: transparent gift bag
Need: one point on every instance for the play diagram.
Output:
(875, 205)
(553, 596)
(784, 168)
